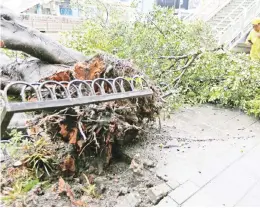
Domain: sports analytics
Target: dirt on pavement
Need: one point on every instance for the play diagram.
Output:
(127, 180)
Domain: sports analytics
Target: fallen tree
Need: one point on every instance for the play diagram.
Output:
(95, 129)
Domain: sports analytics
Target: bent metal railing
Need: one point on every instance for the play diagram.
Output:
(50, 23)
(56, 95)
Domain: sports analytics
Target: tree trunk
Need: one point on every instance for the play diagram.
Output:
(16, 36)
(31, 71)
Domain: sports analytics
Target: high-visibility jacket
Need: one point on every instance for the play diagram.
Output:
(254, 37)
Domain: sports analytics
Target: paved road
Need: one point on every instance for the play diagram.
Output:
(218, 161)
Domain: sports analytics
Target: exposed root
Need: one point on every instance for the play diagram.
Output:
(100, 127)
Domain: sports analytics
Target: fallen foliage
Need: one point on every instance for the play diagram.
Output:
(179, 56)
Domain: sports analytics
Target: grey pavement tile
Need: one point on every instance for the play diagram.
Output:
(167, 202)
(173, 183)
(230, 186)
(216, 166)
(255, 127)
(201, 179)
(201, 198)
(157, 192)
(176, 170)
(183, 192)
(249, 161)
(252, 198)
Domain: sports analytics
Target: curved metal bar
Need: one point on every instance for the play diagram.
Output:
(89, 81)
(66, 83)
(89, 87)
(53, 92)
(54, 87)
(53, 96)
(79, 88)
(110, 80)
(141, 84)
(102, 91)
(5, 93)
(71, 92)
(120, 81)
(90, 84)
(102, 88)
(73, 84)
(23, 91)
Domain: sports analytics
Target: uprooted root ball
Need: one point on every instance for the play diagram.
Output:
(99, 128)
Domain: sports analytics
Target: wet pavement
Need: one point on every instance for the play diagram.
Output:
(210, 158)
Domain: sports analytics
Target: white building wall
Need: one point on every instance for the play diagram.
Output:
(146, 6)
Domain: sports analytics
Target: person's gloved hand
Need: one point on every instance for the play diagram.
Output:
(250, 42)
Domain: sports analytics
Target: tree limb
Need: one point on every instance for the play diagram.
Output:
(183, 69)
(188, 55)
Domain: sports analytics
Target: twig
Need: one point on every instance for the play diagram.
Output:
(183, 69)
(188, 55)
(158, 28)
(96, 121)
(133, 127)
(175, 57)
(83, 149)
(177, 80)
(149, 18)
(95, 139)
(105, 9)
(49, 117)
(80, 129)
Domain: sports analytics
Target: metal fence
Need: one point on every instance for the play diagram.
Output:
(56, 95)
(49, 23)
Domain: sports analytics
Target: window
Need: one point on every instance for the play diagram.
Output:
(65, 10)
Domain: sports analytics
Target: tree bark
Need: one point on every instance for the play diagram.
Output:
(16, 36)
(30, 71)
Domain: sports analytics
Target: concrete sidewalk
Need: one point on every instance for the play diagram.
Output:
(218, 163)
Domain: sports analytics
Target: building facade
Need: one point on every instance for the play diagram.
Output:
(54, 7)
(179, 4)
